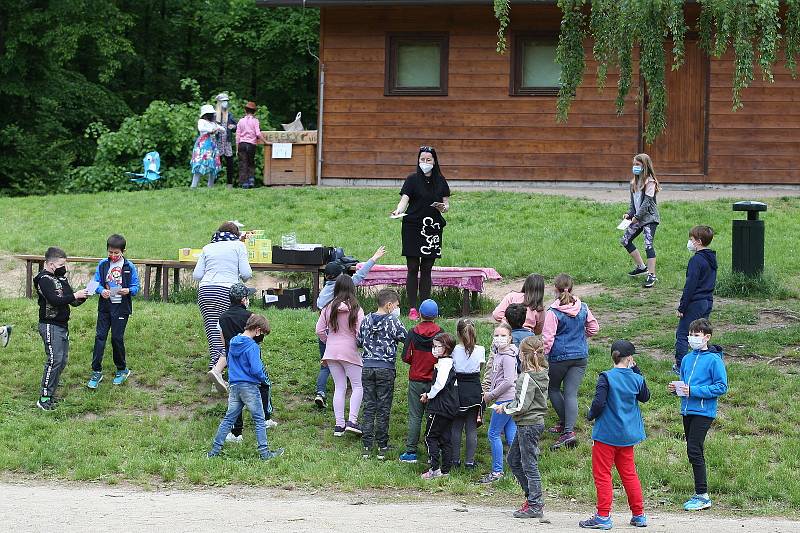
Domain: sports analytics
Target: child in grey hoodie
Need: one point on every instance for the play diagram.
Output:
(378, 336)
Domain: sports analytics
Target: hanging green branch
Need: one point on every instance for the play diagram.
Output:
(617, 27)
(501, 13)
(570, 54)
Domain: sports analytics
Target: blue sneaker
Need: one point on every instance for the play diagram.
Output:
(408, 458)
(121, 376)
(639, 520)
(597, 522)
(697, 503)
(95, 380)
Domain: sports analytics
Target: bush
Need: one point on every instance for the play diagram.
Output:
(765, 285)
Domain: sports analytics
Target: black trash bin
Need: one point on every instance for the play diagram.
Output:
(748, 239)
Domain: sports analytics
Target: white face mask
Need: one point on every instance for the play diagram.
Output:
(437, 351)
(637, 170)
(396, 312)
(500, 341)
(690, 246)
(695, 341)
(223, 104)
(425, 167)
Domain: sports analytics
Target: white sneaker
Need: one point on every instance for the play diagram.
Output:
(234, 439)
(216, 379)
(271, 424)
(5, 335)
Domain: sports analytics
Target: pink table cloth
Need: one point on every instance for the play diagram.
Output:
(470, 278)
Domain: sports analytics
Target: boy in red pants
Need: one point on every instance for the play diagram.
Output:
(618, 427)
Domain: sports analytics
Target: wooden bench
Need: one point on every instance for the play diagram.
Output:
(162, 268)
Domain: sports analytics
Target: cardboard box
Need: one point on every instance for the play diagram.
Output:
(259, 250)
(294, 298)
(189, 255)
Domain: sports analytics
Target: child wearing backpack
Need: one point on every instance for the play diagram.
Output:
(617, 429)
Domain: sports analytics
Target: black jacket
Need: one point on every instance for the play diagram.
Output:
(701, 278)
(446, 404)
(55, 297)
(232, 323)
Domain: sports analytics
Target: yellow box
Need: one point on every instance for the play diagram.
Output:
(253, 235)
(264, 251)
(189, 255)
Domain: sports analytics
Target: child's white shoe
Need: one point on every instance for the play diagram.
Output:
(234, 439)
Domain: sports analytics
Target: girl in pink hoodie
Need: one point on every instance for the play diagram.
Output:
(337, 327)
(568, 323)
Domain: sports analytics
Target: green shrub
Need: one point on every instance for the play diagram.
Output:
(167, 128)
(765, 285)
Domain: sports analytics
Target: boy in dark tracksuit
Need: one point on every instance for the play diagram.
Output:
(417, 353)
(698, 291)
(378, 335)
(117, 281)
(55, 297)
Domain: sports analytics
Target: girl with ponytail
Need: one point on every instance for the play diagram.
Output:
(568, 323)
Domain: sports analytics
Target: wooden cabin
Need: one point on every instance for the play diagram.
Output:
(400, 74)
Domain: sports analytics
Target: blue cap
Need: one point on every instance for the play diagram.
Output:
(429, 309)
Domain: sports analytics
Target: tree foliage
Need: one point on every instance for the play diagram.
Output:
(65, 65)
(754, 29)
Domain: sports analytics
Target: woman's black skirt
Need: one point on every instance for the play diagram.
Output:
(422, 238)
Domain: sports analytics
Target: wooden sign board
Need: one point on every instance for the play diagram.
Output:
(294, 137)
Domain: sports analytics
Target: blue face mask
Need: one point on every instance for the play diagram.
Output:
(637, 169)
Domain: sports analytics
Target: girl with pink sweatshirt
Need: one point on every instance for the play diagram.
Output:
(502, 374)
(530, 296)
(568, 323)
(337, 327)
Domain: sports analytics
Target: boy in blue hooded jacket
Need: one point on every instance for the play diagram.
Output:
(245, 374)
(704, 380)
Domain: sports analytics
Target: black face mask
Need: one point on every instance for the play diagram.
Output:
(259, 338)
(60, 272)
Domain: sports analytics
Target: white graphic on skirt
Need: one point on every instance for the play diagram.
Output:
(433, 242)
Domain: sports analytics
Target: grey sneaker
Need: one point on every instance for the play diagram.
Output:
(366, 453)
(650, 281)
(530, 512)
(272, 454)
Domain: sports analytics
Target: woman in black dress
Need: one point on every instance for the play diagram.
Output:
(423, 198)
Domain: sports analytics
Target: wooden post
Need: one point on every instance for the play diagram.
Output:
(28, 278)
(465, 308)
(176, 278)
(314, 287)
(267, 164)
(146, 288)
(164, 283)
(158, 279)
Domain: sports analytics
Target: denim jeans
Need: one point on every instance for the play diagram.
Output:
(324, 373)
(523, 459)
(240, 395)
(378, 386)
(500, 423)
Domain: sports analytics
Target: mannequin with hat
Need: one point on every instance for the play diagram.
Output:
(225, 139)
(248, 133)
(205, 155)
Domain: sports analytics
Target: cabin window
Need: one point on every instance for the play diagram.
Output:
(416, 64)
(534, 69)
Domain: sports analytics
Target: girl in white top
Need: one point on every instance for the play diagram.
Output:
(468, 361)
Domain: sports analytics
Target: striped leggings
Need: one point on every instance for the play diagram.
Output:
(213, 301)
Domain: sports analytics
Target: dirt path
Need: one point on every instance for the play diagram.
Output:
(76, 507)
